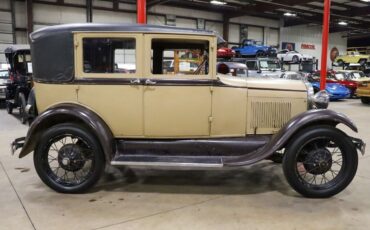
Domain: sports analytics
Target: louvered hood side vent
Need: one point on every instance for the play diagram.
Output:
(269, 115)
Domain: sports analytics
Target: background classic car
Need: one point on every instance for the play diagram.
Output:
(352, 57)
(196, 119)
(253, 48)
(293, 56)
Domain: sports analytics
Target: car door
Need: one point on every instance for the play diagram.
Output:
(108, 73)
(252, 68)
(177, 104)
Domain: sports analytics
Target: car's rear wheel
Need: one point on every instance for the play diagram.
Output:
(362, 61)
(69, 158)
(365, 100)
(295, 59)
(320, 162)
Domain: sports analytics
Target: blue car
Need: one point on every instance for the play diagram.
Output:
(336, 91)
(252, 48)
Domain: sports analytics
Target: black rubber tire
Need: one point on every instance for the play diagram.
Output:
(77, 130)
(22, 108)
(238, 55)
(350, 162)
(260, 54)
(340, 62)
(9, 108)
(362, 61)
(365, 100)
(295, 59)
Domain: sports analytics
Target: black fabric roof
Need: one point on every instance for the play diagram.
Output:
(97, 27)
(53, 52)
(14, 48)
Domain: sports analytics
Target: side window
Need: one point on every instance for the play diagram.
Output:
(252, 65)
(109, 55)
(179, 57)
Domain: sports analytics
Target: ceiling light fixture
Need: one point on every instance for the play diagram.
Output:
(342, 23)
(288, 14)
(365, 0)
(215, 2)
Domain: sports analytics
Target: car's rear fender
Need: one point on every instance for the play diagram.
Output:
(69, 112)
(287, 133)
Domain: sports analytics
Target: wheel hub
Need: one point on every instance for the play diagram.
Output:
(70, 158)
(318, 161)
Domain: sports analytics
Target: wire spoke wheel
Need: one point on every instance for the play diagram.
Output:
(320, 162)
(69, 159)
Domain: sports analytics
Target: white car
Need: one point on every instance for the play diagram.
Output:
(293, 56)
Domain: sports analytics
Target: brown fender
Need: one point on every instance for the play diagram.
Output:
(282, 138)
(69, 113)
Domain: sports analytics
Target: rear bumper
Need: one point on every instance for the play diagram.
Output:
(360, 145)
(17, 144)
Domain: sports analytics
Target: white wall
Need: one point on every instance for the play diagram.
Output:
(312, 35)
(45, 15)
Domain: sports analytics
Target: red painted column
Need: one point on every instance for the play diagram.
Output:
(141, 11)
(325, 43)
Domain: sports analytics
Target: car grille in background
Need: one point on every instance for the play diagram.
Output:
(270, 114)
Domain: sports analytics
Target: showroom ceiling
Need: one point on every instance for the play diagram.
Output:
(352, 17)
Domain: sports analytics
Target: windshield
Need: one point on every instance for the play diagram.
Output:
(269, 65)
(4, 74)
(339, 76)
(239, 72)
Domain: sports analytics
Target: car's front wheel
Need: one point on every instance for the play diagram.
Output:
(320, 162)
(69, 158)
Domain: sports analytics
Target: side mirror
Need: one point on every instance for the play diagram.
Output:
(259, 71)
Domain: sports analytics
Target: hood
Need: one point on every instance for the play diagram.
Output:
(263, 83)
(273, 74)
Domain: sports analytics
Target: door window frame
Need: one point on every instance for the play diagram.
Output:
(78, 54)
(212, 41)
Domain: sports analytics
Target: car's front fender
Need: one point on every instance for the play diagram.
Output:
(284, 136)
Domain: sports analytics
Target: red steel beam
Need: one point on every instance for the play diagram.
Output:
(325, 43)
(141, 11)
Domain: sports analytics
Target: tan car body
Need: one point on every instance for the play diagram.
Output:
(140, 111)
(95, 109)
(363, 90)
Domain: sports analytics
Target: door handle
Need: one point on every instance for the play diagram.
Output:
(135, 81)
(150, 82)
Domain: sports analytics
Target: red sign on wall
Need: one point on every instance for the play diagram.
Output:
(308, 46)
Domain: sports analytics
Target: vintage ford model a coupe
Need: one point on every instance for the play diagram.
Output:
(103, 96)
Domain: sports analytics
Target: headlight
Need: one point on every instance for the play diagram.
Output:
(310, 95)
(321, 100)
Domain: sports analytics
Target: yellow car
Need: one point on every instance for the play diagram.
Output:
(352, 57)
(363, 90)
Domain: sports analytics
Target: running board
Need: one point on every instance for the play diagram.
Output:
(168, 161)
